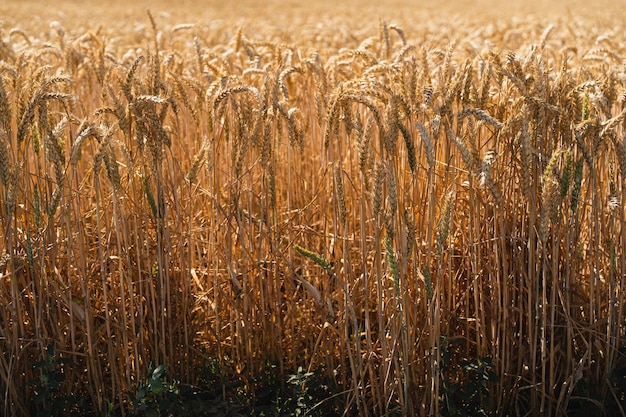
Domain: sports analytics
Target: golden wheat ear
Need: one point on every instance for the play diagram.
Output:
(455, 187)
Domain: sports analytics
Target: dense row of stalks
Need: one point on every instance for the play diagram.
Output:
(362, 208)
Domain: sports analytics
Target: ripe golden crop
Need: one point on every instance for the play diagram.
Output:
(383, 193)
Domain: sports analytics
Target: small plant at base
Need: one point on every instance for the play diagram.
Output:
(45, 392)
(305, 394)
(155, 397)
(465, 390)
(304, 400)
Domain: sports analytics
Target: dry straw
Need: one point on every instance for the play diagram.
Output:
(460, 206)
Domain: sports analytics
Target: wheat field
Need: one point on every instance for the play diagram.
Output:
(421, 204)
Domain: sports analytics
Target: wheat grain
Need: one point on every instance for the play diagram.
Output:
(482, 115)
(5, 163)
(392, 191)
(84, 131)
(467, 156)
(281, 79)
(224, 158)
(550, 200)
(444, 221)
(315, 257)
(411, 232)
(428, 144)
(340, 194)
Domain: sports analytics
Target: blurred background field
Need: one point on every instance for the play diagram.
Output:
(330, 208)
(292, 14)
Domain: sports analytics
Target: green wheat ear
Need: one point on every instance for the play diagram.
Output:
(444, 224)
(149, 195)
(577, 184)
(315, 257)
(393, 265)
(566, 178)
(586, 106)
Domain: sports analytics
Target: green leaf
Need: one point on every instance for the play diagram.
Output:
(157, 387)
(40, 364)
(159, 372)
